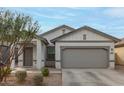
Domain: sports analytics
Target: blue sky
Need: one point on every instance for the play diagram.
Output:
(109, 20)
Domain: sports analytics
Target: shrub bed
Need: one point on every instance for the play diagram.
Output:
(45, 72)
(37, 79)
(21, 75)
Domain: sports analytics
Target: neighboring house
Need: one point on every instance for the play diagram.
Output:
(119, 50)
(66, 47)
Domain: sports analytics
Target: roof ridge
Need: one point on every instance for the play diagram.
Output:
(56, 29)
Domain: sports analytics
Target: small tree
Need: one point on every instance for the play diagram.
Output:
(16, 31)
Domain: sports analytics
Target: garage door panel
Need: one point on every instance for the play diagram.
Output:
(84, 58)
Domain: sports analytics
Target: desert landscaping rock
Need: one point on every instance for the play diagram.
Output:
(54, 79)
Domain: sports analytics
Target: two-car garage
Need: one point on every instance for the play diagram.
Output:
(84, 58)
(85, 48)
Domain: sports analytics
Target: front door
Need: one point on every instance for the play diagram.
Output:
(28, 56)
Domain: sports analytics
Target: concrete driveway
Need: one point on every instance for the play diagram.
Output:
(92, 77)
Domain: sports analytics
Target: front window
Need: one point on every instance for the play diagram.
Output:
(51, 53)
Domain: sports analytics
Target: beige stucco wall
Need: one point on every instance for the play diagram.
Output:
(119, 55)
(39, 55)
(20, 58)
(78, 36)
(55, 34)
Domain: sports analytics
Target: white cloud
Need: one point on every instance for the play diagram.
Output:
(39, 14)
(114, 12)
(53, 16)
(96, 25)
(116, 28)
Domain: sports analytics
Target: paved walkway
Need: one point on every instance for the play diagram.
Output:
(52, 70)
(92, 77)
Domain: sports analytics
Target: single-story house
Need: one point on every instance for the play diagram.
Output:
(67, 47)
(119, 50)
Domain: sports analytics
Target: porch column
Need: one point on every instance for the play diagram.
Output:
(39, 63)
(20, 60)
(112, 57)
(57, 57)
(13, 64)
(112, 65)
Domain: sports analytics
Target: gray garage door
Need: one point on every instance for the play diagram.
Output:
(84, 58)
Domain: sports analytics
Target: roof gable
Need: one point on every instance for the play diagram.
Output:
(55, 29)
(89, 29)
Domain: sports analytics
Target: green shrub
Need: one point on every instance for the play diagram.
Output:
(21, 75)
(45, 71)
(4, 72)
(7, 70)
(38, 79)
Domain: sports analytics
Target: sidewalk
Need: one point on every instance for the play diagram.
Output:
(52, 70)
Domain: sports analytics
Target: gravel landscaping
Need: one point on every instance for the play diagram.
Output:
(54, 79)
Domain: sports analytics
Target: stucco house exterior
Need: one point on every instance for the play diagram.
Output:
(67, 47)
(119, 50)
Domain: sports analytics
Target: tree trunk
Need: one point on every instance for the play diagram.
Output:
(1, 74)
